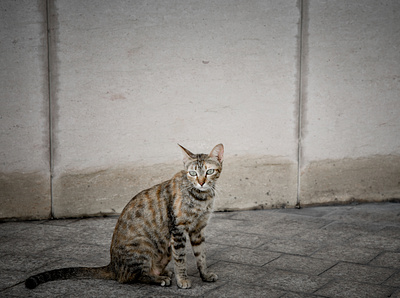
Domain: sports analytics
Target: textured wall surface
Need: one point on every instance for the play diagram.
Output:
(351, 112)
(24, 125)
(130, 79)
(130, 88)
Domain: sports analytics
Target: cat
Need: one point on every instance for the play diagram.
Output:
(153, 227)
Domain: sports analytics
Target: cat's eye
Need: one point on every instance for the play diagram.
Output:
(193, 173)
(210, 172)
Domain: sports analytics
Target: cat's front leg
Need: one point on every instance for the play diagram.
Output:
(199, 250)
(179, 254)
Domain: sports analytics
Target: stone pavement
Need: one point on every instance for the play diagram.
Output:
(335, 251)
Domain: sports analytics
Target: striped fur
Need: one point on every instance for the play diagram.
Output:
(153, 227)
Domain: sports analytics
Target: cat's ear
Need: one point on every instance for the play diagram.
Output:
(218, 152)
(187, 155)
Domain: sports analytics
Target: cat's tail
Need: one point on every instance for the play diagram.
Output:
(67, 273)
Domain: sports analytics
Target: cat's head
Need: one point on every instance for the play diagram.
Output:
(203, 170)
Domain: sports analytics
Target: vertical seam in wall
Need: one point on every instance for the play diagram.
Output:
(300, 98)
(49, 87)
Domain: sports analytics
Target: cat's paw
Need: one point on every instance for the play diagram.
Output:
(168, 273)
(209, 277)
(166, 281)
(184, 283)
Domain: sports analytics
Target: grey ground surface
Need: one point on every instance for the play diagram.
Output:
(335, 251)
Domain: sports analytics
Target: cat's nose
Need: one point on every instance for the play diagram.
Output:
(201, 181)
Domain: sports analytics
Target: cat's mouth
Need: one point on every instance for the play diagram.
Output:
(203, 188)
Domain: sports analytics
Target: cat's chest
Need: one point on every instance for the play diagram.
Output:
(193, 215)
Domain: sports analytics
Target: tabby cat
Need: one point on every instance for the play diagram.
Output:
(153, 227)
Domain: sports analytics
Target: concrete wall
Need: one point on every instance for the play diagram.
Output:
(129, 80)
(24, 117)
(351, 101)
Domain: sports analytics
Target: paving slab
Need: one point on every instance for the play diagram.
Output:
(311, 252)
(327, 237)
(291, 246)
(360, 273)
(239, 239)
(367, 213)
(295, 282)
(353, 228)
(241, 273)
(390, 232)
(376, 242)
(255, 257)
(350, 289)
(347, 253)
(301, 264)
(387, 259)
(394, 280)
(242, 290)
